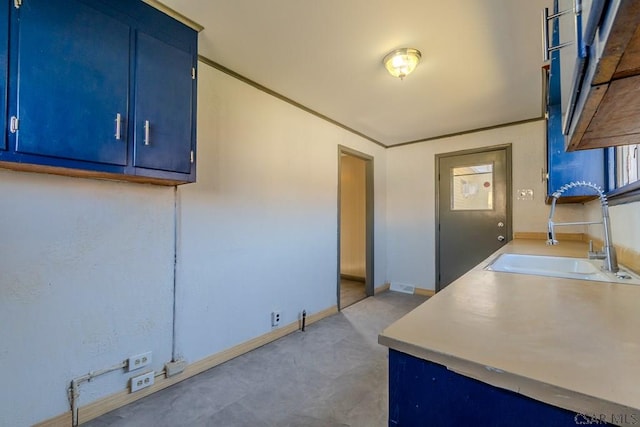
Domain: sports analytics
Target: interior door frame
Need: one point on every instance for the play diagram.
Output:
(509, 198)
(369, 216)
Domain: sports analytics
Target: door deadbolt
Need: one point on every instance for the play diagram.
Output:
(500, 224)
(501, 238)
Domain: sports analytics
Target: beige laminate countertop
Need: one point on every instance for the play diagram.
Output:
(570, 343)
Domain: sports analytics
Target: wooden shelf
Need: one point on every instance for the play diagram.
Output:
(609, 106)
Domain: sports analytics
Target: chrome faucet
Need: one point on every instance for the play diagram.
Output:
(608, 253)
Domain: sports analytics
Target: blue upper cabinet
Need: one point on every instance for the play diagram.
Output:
(98, 88)
(74, 80)
(4, 70)
(165, 77)
(562, 166)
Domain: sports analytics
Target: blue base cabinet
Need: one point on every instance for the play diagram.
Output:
(422, 393)
(100, 88)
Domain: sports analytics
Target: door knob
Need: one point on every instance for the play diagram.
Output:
(501, 238)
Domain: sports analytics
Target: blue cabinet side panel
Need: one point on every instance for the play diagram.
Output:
(4, 70)
(163, 99)
(423, 393)
(564, 167)
(73, 81)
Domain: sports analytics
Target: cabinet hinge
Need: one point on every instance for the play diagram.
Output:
(13, 124)
(17, 3)
(191, 156)
(193, 73)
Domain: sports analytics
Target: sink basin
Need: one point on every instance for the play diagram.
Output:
(554, 266)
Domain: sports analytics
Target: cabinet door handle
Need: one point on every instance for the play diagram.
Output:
(546, 47)
(577, 9)
(118, 125)
(13, 124)
(147, 128)
(545, 34)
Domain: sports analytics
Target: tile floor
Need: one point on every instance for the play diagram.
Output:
(334, 374)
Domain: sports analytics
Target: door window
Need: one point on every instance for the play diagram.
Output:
(472, 188)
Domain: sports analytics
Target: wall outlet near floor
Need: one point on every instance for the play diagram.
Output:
(139, 361)
(275, 318)
(142, 381)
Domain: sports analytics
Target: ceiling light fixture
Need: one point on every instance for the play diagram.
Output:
(401, 62)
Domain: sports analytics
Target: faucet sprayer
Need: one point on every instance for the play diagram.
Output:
(608, 250)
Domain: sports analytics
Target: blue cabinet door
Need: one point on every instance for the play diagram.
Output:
(164, 92)
(423, 393)
(4, 70)
(73, 82)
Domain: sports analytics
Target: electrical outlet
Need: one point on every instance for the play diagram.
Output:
(139, 361)
(142, 381)
(525, 194)
(275, 318)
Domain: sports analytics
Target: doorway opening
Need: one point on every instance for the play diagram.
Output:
(473, 209)
(355, 226)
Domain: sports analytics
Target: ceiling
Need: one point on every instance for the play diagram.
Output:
(480, 64)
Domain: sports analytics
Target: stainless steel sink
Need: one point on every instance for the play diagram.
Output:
(565, 267)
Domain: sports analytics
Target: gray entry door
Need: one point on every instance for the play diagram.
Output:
(473, 210)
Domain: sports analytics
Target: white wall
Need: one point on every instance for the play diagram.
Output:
(625, 223)
(411, 195)
(258, 231)
(86, 280)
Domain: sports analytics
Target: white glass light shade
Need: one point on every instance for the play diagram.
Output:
(401, 62)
